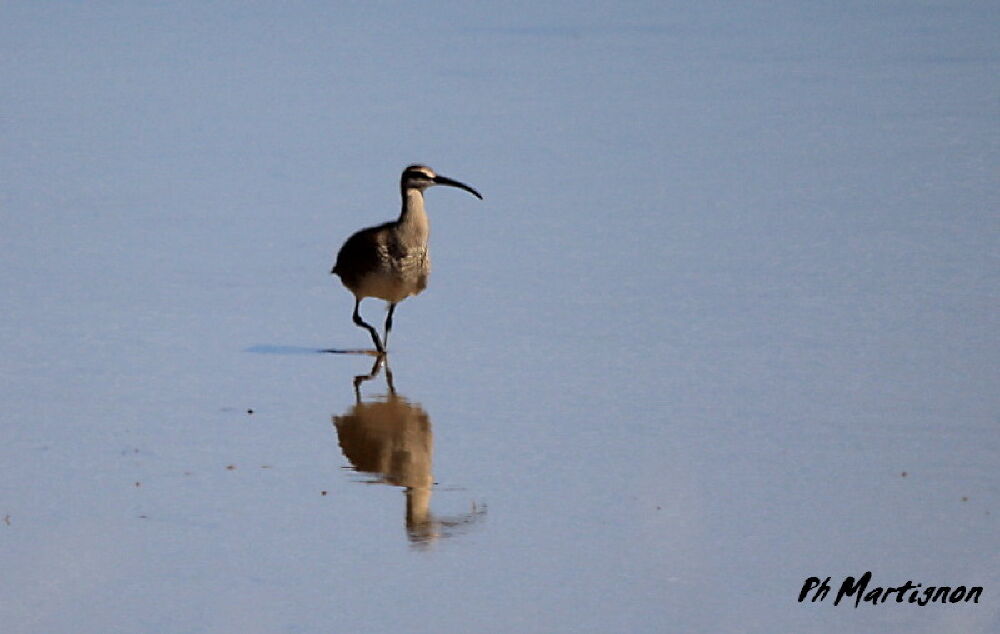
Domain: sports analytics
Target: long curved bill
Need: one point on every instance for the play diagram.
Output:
(444, 180)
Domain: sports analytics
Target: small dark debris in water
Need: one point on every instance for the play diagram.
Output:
(322, 492)
(231, 467)
(903, 474)
(249, 411)
(138, 484)
(187, 473)
(6, 520)
(265, 466)
(965, 498)
(659, 508)
(143, 517)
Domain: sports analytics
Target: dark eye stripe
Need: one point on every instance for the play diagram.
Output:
(417, 175)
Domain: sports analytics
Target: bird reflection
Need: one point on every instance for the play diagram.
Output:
(390, 438)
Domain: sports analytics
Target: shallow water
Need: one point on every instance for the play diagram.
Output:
(725, 320)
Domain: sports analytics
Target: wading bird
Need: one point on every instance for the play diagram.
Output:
(391, 261)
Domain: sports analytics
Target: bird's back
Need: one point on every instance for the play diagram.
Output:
(377, 262)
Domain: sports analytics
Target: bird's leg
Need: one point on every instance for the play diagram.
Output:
(388, 323)
(371, 331)
(388, 380)
(361, 378)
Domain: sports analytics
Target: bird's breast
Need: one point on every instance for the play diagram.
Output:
(401, 261)
(401, 272)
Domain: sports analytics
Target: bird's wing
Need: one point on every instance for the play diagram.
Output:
(358, 255)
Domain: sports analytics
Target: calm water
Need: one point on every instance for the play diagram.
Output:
(725, 320)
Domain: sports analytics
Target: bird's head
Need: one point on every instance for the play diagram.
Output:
(420, 177)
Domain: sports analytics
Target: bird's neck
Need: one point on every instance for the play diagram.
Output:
(413, 222)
